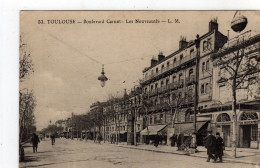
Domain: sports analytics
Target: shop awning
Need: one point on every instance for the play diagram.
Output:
(115, 132)
(188, 128)
(153, 129)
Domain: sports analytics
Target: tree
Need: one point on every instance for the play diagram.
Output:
(238, 70)
(26, 115)
(25, 61)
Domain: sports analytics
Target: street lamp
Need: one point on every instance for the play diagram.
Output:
(102, 77)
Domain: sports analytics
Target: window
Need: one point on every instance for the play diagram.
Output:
(168, 64)
(254, 132)
(204, 45)
(152, 87)
(162, 83)
(203, 66)
(180, 76)
(207, 65)
(174, 60)
(156, 85)
(145, 90)
(202, 89)
(167, 82)
(190, 72)
(181, 56)
(206, 88)
(224, 117)
(173, 79)
(192, 52)
(162, 67)
(152, 72)
(161, 118)
(156, 70)
(188, 115)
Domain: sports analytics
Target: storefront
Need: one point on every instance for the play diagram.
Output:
(248, 130)
(148, 135)
(223, 126)
(188, 128)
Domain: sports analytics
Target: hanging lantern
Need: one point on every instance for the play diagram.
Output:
(102, 77)
(239, 22)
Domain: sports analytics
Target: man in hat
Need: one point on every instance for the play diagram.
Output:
(210, 144)
(219, 147)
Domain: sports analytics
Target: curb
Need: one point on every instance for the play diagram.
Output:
(187, 154)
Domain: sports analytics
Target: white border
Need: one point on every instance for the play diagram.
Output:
(9, 38)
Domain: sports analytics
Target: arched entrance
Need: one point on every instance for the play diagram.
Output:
(223, 120)
(248, 130)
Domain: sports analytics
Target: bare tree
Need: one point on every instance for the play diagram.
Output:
(238, 70)
(25, 61)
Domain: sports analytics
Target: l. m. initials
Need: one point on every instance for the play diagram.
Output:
(175, 21)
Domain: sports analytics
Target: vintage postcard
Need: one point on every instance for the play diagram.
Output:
(139, 89)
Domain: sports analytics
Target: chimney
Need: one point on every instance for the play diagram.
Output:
(213, 25)
(153, 61)
(160, 56)
(183, 43)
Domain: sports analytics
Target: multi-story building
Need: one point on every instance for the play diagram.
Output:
(246, 47)
(165, 101)
(170, 81)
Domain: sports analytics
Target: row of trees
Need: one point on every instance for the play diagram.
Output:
(27, 101)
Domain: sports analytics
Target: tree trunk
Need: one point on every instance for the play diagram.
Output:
(234, 135)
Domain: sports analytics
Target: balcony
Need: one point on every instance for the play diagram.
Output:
(190, 80)
(181, 83)
(167, 68)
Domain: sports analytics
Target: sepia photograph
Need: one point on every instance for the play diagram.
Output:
(130, 89)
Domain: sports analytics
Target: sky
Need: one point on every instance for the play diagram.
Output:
(68, 58)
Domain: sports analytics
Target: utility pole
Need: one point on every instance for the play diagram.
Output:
(196, 97)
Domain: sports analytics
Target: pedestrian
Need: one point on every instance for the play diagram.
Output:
(52, 139)
(35, 141)
(156, 141)
(179, 141)
(210, 144)
(219, 147)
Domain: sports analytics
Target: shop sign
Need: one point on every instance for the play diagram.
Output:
(247, 122)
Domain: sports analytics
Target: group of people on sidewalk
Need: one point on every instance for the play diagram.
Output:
(215, 146)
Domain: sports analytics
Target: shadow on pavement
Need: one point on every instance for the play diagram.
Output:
(30, 159)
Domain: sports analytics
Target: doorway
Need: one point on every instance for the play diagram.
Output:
(246, 129)
(226, 135)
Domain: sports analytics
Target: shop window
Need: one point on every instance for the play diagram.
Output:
(224, 117)
(254, 132)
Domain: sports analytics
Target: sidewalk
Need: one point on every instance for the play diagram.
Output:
(244, 155)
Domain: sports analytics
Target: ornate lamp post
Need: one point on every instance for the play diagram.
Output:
(102, 77)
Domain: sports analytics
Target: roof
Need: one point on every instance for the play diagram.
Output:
(191, 42)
